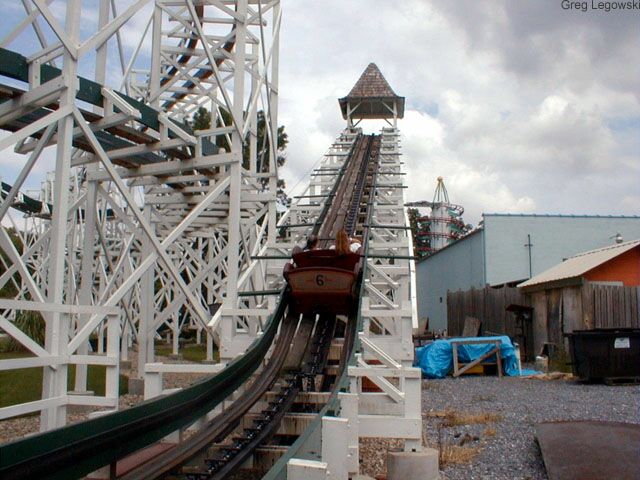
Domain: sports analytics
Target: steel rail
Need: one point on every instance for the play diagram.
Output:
(351, 170)
(218, 471)
(225, 422)
(315, 362)
(78, 449)
(335, 218)
(300, 447)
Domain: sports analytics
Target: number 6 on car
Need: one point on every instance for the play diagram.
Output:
(323, 281)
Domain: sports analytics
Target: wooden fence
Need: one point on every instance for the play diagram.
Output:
(556, 312)
(487, 305)
(606, 306)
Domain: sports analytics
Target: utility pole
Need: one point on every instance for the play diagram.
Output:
(529, 245)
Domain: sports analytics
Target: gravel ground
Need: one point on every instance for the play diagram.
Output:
(506, 447)
(501, 448)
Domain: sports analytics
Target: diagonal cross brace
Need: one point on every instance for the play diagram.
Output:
(159, 247)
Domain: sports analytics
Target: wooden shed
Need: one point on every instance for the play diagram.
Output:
(595, 289)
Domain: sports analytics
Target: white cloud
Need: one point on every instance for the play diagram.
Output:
(520, 106)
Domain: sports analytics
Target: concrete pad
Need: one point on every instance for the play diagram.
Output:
(576, 450)
(422, 465)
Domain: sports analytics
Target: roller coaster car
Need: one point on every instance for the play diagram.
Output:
(322, 281)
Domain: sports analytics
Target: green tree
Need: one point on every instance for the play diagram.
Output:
(202, 121)
(413, 215)
(264, 147)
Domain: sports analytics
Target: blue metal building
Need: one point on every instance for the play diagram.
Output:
(509, 248)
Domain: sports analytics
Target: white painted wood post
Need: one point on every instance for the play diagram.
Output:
(152, 384)
(112, 374)
(413, 407)
(334, 446)
(349, 411)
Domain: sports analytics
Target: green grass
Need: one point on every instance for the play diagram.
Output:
(25, 384)
(189, 351)
(4, 343)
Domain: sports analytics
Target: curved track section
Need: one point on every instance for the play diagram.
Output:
(223, 423)
(78, 449)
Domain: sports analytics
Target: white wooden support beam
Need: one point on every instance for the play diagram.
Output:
(378, 379)
(119, 102)
(107, 31)
(182, 368)
(169, 167)
(152, 384)
(173, 127)
(390, 426)
(34, 127)
(378, 352)
(112, 372)
(334, 447)
(22, 337)
(349, 411)
(70, 46)
(31, 99)
(30, 407)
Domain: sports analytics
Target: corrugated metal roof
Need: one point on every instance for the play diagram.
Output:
(578, 265)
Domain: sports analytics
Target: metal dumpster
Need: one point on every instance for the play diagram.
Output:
(606, 354)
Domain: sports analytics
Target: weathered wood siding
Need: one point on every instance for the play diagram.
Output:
(556, 312)
(540, 324)
(486, 304)
(614, 306)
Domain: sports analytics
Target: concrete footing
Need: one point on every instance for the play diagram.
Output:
(423, 465)
(306, 470)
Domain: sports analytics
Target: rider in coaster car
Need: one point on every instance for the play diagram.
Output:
(355, 245)
(312, 243)
(342, 242)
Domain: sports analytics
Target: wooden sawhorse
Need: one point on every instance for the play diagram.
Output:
(457, 371)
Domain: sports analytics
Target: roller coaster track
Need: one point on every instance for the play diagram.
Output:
(15, 66)
(206, 248)
(76, 450)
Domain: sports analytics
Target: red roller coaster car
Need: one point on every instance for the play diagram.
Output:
(322, 281)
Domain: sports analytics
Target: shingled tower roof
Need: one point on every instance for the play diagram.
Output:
(372, 97)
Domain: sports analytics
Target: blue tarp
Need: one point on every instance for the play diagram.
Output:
(436, 359)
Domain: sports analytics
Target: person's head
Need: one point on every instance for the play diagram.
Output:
(342, 242)
(312, 242)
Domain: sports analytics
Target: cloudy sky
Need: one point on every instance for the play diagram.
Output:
(522, 106)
